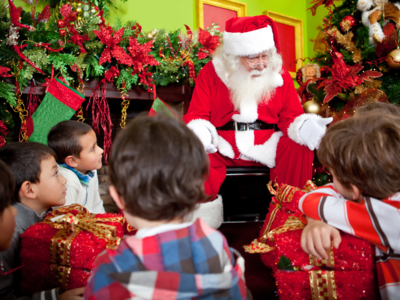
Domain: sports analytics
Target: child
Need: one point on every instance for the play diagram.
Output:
(363, 157)
(378, 107)
(157, 170)
(38, 187)
(7, 211)
(79, 158)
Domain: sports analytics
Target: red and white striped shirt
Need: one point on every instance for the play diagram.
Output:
(377, 221)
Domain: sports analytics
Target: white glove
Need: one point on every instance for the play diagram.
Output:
(312, 131)
(205, 137)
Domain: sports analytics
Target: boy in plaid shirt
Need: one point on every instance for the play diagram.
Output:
(363, 157)
(157, 169)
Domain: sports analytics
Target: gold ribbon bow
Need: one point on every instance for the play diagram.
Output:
(283, 193)
(69, 226)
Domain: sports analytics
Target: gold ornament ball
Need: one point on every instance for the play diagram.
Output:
(151, 34)
(312, 107)
(393, 60)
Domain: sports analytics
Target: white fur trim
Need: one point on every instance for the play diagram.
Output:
(248, 112)
(211, 212)
(209, 126)
(293, 130)
(265, 153)
(225, 148)
(248, 43)
(364, 5)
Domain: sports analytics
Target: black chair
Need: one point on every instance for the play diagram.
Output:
(245, 194)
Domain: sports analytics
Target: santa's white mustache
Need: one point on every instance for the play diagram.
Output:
(257, 72)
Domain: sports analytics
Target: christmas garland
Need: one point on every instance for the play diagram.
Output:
(83, 48)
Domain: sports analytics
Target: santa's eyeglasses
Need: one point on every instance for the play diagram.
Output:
(254, 61)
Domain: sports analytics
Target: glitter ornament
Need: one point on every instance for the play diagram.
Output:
(347, 23)
(61, 23)
(63, 32)
(312, 107)
(393, 59)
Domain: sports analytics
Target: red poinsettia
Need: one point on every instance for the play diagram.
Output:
(3, 72)
(318, 3)
(110, 74)
(140, 55)
(112, 50)
(344, 77)
(209, 42)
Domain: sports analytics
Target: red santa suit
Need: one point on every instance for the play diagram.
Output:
(283, 151)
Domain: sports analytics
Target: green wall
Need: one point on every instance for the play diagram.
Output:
(173, 14)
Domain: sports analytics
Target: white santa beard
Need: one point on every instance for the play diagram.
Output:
(245, 87)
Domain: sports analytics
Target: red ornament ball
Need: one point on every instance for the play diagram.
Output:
(347, 23)
(63, 32)
(61, 23)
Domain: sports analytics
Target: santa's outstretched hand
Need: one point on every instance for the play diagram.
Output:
(205, 136)
(312, 131)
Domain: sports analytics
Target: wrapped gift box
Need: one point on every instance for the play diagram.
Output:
(310, 285)
(353, 254)
(348, 273)
(60, 251)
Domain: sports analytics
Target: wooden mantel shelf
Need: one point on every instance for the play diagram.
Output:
(167, 93)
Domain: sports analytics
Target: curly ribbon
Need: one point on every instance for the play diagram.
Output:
(69, 226)
(282, 194)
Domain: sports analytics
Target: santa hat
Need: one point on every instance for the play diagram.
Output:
(250, 35)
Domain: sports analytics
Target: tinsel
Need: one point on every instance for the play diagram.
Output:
(101, 115)
(33, 99)
(3, 133)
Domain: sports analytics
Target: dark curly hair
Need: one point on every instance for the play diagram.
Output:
(158, 167)
(364, 151)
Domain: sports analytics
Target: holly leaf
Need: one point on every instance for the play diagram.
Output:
(285, 264)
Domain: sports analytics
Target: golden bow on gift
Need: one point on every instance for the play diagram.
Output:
(283, 193)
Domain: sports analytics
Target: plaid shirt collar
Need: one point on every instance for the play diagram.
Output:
(83, 178)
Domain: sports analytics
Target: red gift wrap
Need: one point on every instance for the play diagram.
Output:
(60, 251)
(348, 273)
(315, 285)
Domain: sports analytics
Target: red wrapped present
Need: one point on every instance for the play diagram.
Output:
(60, 251)
(282, 216)
(326, 285)
(353, 254)
(348, 273)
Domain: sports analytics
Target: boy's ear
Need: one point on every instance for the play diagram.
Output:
(116, 197)
(71, 161)
(357, 195)
(28, 190)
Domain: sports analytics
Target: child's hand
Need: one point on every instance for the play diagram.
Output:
(317, 237)
(74, 294)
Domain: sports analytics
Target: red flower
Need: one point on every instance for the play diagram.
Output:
(209, 42)
(344, 77)
(140, 55)
(112, 49)
(110, 74)
(3, 73)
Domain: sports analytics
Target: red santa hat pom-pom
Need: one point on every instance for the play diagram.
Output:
(245, 36)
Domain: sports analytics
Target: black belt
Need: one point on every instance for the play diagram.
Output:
(257, 125)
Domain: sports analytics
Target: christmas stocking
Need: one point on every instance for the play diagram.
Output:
(59, 104)
(160, 107)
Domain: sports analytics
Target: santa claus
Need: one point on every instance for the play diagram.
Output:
(246, 111)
